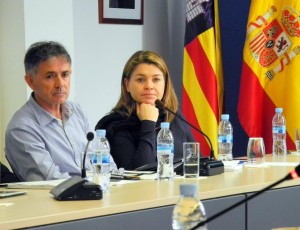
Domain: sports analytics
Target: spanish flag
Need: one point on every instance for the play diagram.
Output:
(202, 97)
(271, 69)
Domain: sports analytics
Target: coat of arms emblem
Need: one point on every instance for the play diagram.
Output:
(270, 40)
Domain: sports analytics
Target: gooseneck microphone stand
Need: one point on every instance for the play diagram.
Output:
(161, 105)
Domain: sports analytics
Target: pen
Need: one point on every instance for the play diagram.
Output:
(125, 177)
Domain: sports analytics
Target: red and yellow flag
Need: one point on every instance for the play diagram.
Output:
(202, 98)
(271, 69)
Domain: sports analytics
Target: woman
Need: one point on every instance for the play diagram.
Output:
(133, 124)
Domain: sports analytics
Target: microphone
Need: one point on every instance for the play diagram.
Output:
(162, 105)
(208, 166)
(89, 137)
(294, 174)
(76, 187)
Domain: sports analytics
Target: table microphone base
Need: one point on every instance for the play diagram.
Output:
(77, 188)
(209, 167)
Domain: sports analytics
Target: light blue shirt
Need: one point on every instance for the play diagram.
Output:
(40, 147)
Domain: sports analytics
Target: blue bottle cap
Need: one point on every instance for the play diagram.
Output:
(189, 189)
(278, 110)
(101, 132)
(165, 125)
(225, 117)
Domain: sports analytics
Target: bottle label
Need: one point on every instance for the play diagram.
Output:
(279, 129)
(105, 158)
(165, 149)
(225, 139)
(165, 154)
(101, 158)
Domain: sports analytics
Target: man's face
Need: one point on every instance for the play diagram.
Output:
(51, 83)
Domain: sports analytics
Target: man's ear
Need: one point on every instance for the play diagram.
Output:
(29, 81)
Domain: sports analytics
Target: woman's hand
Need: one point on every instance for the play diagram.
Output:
(147, 112)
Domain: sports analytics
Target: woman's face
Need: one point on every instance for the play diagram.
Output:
(146, 84)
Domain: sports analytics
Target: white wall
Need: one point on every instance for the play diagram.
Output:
(101, 51)
(49, 20)
(12, 87)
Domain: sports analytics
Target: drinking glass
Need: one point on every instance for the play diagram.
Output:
(297, 140)
(256, 150)
(191, 156)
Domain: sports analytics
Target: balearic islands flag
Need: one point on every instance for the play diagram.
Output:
(202, 97)
(271, 69)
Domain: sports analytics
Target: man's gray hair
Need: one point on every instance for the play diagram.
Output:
(43, 51)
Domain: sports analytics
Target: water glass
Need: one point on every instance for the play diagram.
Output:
(191, 157)
(255, 150)
(297, 140)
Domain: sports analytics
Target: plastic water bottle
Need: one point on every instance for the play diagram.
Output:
(189, 210)
(165, 152)
(101, 160)
(225, 139)
(279, 133)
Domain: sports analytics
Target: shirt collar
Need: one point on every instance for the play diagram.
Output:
(45, 117)
(67, 112)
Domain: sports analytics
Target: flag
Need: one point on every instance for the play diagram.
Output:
(202, 94)
(271, 69)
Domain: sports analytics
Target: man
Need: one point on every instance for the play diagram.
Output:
(45, 139)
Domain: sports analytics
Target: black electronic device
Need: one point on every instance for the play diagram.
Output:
(77, 188)
(208, 166)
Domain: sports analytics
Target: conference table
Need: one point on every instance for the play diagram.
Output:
(148, 204)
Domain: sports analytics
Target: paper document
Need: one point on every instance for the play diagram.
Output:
(234, 165)
(143, 175)
(262, 165)
(282, 163)
(295, 153)
(48, 184)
